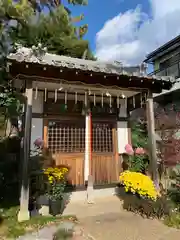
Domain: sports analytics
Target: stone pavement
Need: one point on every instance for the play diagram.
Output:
(106, 220)
(47, 232)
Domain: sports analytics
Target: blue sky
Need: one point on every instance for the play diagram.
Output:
(127, 30)
(99, 11)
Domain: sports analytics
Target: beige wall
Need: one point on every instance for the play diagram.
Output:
(37, 123)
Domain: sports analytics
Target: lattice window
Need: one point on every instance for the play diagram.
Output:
(66, 137)
(102, 140)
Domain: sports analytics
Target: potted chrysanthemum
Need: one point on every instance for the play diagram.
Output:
(139, 184)
(56, 182)
(139, 194)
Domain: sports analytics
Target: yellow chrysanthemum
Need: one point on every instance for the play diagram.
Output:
(138, 183)
(55, 174)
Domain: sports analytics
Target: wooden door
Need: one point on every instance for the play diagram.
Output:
(66, 143)
(105, 167)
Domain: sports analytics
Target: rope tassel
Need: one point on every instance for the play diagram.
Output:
(55, 96)
(45, 94)
(36, 93)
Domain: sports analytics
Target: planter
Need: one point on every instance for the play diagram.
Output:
(55, 207)
(145, 207)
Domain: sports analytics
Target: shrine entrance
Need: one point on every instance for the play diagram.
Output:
(105, 166)
(66, 142)
(66, 137)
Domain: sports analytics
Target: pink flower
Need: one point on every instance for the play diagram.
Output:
(129, 150)
(38, 143)
(140, 151)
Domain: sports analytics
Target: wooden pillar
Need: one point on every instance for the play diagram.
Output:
(87, 147)
(45, 133)
(90, 143)
(24, 194)
(152, 140)
(88, 159)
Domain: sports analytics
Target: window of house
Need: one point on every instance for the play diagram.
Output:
(173, 70)
(170, 61)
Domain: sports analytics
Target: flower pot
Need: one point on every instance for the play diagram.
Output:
(55, 207)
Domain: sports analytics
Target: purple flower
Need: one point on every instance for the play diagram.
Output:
(38, 143)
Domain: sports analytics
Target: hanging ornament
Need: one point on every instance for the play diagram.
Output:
(123, 96)
(65, 99)
(102, 100)
(75, 97)
(134, 103)
(110, 104)
(94, 99)
(36, 93)
(110, 101)
(55, 96)
(45, 94)
(117, 100)
(85, 99)
(125, 103)
(145, 97)
(141, 100)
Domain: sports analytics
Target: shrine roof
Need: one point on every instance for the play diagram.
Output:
(39, 55)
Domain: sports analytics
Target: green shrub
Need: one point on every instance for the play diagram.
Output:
(174, 190)
(173, 220)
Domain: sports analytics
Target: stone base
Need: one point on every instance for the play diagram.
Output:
(44, 211)
(23, 215)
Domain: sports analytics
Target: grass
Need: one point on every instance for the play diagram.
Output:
(173, 220)
(11, 228)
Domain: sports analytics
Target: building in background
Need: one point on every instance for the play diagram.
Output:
(166, 62)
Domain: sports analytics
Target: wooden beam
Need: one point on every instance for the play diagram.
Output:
(89, 77)
(24, 195)
(45, 133)
(152, 140)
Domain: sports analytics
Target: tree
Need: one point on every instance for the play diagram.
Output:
(167, 121)
(38, 6)
(56, 32)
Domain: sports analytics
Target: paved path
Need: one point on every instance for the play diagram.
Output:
(47, 233)
(106, 220)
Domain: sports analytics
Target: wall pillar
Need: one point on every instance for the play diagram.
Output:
(23, 214)
(152, 140)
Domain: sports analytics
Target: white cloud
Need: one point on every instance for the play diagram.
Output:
(131, 35)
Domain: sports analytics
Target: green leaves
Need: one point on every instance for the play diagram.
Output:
(56, 191)
(56, 32)
(10, 104)
(20, 23)
(137, 163)
(139, 135)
